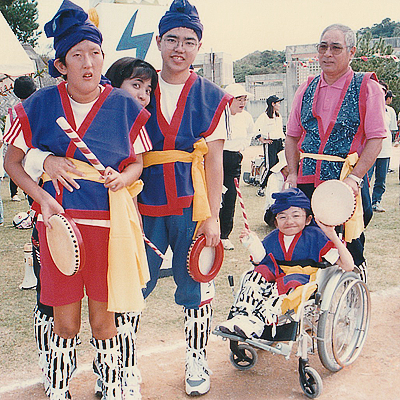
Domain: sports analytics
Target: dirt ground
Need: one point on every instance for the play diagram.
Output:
(374, 375)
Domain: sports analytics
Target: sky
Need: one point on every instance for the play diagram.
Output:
(240, 27)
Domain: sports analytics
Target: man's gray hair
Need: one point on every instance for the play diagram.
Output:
(349, 35)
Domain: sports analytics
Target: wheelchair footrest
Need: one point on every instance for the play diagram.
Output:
(284, 333)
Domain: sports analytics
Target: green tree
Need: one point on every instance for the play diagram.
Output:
(257, 63)
(22, 15)
(369, 58)
(386, 28)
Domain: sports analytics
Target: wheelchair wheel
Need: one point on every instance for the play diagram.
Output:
(342, 328)
(248, 357)
(311, 383)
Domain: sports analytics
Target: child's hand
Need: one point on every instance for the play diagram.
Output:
(113, 180)
(328, 230)
(244, 234)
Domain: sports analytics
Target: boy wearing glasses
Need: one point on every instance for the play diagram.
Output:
(335, 129)
(187, 125)
(294, 243)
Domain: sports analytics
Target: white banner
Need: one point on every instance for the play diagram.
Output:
(130, 30)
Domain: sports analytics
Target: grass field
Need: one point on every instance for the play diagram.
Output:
(162, 318)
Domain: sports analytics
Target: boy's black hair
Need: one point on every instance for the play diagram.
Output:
(129, 68)
(24, 86)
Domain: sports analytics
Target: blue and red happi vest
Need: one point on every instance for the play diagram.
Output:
(344, 134)
(109, 131)
(306, 250)
(168, 188)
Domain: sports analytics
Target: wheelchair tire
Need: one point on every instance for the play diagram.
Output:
(247, 361)
(311, 383)
(342, 328)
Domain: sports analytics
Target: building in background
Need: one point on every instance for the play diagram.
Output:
(217, 67)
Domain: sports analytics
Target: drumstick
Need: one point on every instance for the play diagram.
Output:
(246, 223)
(81, 145)
(153, 247)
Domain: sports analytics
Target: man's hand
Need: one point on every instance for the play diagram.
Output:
(58, 169)
(291, 181)
(353, 184)
(210, 229)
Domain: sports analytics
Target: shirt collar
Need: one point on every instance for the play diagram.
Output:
(339, 84)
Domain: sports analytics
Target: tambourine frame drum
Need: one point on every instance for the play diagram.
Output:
(65, 244)
(204, 262)
(333, 202)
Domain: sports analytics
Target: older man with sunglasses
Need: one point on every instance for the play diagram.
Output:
(335, 129)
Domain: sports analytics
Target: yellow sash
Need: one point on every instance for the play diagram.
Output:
(201, 207)
(128, 270)
(355, 225)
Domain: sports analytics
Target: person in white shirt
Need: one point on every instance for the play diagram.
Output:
(381, 165)
(270, 126)
(392, 114)
(241, 130)
(276, 183)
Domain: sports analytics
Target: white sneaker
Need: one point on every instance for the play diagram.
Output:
(197, 380)
(227, 326)
(228, 245)
(248, 326)
(15, 198)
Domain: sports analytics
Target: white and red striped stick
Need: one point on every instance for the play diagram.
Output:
(246, 223)
(153, 247)
(81, 145)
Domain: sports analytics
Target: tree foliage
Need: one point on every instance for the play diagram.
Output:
(386, 69)
(257, 63)
(22, 15)
(386, 28)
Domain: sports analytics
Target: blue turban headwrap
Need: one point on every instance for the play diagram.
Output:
(292, 197)
(69, 27)
(181, 14)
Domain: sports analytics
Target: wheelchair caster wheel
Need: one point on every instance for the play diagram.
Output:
(245, 358)
(311, 383)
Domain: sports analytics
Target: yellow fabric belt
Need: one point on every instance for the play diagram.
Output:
(201, 207)
(355, 225)
(128, 270)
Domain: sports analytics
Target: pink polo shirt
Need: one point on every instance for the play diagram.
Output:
(328, 98)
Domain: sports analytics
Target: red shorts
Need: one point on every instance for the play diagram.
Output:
(58, 289)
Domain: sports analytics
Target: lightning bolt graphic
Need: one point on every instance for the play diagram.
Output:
(139, 42)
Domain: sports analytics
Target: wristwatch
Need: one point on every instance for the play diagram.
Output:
(356, 179)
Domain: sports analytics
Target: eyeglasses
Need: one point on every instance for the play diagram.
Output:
(335, 49)
(172, 43)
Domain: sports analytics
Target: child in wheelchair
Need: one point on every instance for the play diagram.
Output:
(287, 258)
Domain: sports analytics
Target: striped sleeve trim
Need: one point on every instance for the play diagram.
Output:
(14, 131)
(142, 143)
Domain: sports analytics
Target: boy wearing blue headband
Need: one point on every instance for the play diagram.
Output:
(294, 242)
(109, 121)
(187, 127)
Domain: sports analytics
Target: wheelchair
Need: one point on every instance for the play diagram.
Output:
(258, 168)
(329, 315)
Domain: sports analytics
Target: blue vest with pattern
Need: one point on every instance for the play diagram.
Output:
(343, 132)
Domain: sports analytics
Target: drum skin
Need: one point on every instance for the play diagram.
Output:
(65, 244)
(204, 267)
(333, 202)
